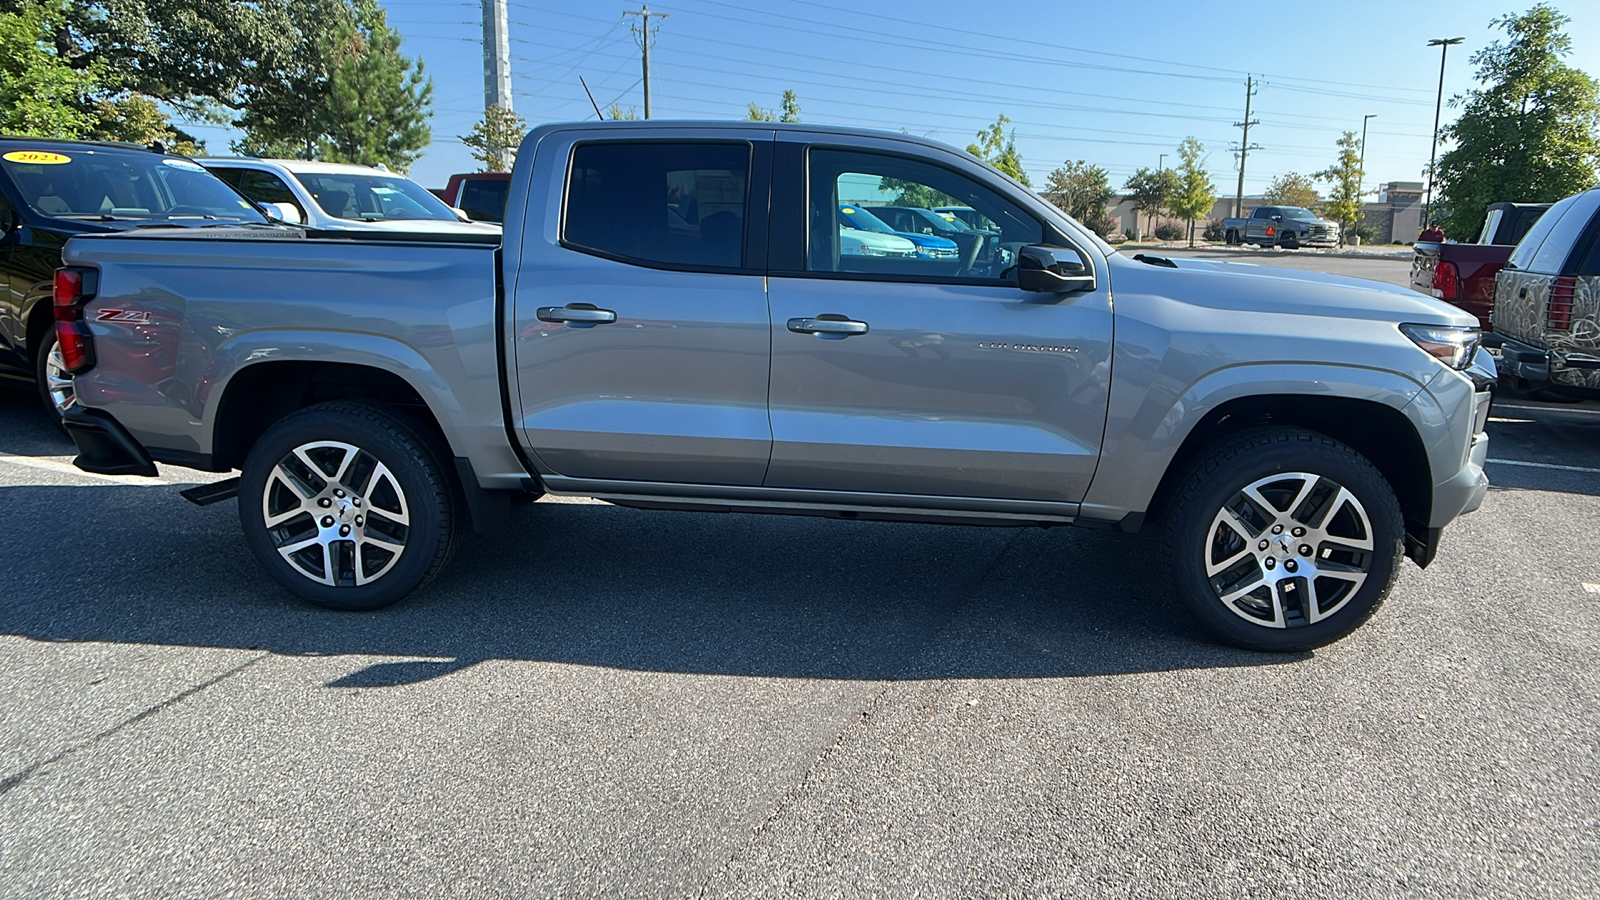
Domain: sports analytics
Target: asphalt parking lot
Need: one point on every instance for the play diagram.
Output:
(608, 702)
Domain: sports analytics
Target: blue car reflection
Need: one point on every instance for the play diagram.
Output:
(928, 246)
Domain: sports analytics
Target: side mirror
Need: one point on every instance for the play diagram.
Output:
(1046, 269)
(1277, 218)
(287, 213)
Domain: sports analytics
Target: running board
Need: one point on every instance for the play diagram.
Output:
(216, 492)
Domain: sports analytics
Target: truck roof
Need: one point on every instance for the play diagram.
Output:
(745, 126)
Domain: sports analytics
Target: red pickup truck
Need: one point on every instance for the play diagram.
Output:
(1463, 274)
(481, 195)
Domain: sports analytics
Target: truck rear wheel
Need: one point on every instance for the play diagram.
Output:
(347, 506)
(1233, 237)
(1283, 539)
(55, 382)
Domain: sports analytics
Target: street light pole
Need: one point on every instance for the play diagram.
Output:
(1364, 120)
(1444, 51)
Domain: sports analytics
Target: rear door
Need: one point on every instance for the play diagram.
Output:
(641, 344)
(925, 376)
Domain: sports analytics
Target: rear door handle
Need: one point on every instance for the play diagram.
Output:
(577, 314)
(828, 324)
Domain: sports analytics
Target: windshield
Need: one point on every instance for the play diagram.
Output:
(858, 218)
(371, 198)
(953, 222)
(109, 184)
(1296, 212)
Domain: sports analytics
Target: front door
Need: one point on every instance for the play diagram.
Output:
(902, 374)
(641, 345)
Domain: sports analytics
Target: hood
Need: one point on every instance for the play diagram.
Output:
(878, 241)
(927, 240)
(1247, 287)
(1314, 220)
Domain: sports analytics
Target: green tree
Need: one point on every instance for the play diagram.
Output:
(1345, 175)
(788, 110)
(1151, 190)
(1531, 134)
(1196, 195)
(1082, 191)
(345, 93)
(494, 140)
(40, 93)
(1292, 189)
(999, 149)
(617, 112)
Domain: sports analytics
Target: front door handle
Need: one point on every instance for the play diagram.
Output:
(581, 315)
(828, 324)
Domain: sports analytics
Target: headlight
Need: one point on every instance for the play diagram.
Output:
(1452, 345)
(873, 251)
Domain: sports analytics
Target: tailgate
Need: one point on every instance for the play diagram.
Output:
(1423, 263)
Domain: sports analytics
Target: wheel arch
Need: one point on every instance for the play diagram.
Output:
(1380, 432)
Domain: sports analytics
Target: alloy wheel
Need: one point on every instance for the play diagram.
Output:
(335, 513)
(58, 381)
(1289, 550)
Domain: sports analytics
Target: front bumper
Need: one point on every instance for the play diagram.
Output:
(104, 446)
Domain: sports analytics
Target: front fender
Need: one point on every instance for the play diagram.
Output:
(1148, 425)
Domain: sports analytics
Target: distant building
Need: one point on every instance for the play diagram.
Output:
(1397, 214)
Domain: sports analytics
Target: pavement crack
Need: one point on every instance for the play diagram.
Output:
(17, 778)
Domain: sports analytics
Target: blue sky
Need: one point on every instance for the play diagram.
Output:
(1116, 84)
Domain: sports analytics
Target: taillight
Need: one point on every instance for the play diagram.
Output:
(1446, 281)
(1558, 312)
(74, 288)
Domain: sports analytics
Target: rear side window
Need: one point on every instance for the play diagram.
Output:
(674, 204)
(1523, 255)
(1564, 237)
(485, 199)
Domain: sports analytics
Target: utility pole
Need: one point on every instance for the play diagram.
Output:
(1444, 45)
(1161, 162)
(645, 34)
(1244, 144)
(1363, 164)
(497, 63)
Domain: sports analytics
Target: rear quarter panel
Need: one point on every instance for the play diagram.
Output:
(200, 310)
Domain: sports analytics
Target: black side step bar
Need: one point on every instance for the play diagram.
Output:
(216, 492)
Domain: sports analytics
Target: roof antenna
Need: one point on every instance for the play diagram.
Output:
(597, 113)
(158, 147)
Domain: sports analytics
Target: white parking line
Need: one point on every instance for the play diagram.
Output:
(1534, 465)
(1559, 409)
(46, 464)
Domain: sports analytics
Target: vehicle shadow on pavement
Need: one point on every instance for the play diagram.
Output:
(597, 585)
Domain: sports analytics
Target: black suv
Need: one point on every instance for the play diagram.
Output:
(51, 190)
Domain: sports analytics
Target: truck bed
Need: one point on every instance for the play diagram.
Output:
(1476, 266)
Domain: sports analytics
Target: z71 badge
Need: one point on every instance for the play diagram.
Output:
(136, 316)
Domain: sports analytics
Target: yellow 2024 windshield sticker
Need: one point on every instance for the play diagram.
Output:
(37, 157)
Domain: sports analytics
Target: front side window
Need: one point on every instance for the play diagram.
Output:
(903, 193)
(670, 203)
(265, 187)
(373, 198)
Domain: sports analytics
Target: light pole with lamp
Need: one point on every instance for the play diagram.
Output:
(1444, 45)
(1364, 120)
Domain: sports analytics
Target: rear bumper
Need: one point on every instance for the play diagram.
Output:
(1534, 367)
(104, 446)
(1521, 362)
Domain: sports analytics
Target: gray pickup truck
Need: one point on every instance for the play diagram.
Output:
(1289, 227)
(670, 323)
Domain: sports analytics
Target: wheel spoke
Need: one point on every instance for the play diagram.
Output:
(1310, 607)
(1226, 516)
(381, 473)
(382, 542)
(1309, 485)
(1253, 494)
(1212, 569)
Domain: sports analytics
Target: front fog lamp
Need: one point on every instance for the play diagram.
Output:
(1452, 345)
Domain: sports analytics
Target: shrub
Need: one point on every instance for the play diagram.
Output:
(1102, 224)
(1213, 230)
(1167, 231)
(1132, 231)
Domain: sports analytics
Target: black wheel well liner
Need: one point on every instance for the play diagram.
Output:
(41, 318)
(1375, 430)
(260, 395)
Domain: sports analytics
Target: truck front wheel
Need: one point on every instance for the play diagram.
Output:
(1288, 241)
(1283, 539)
(347, 506)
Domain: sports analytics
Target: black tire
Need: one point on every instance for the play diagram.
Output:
(1232, 238)
(365, 507)
(41, 373)
(1276, 617)
(1288, 241)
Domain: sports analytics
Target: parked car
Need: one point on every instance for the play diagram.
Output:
(481, 195)
(1293, 435)
(970, 217)
(1464, 274)
(51, 190)
(860, 242)
(340, 197)
(1289, 227)
(927, 246)
(1547, 301)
